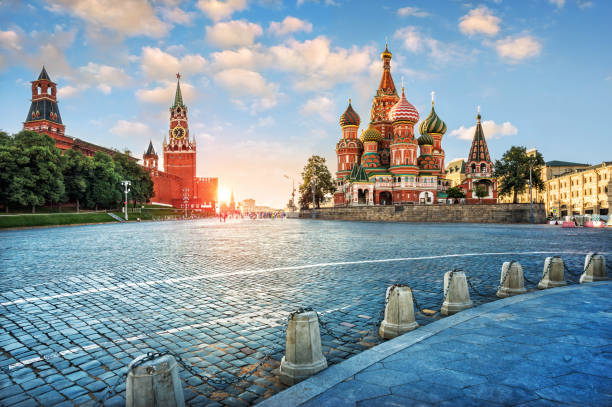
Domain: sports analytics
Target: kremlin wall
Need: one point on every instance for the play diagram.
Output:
(176, 185)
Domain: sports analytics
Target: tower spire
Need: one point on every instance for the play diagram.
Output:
(178, 96)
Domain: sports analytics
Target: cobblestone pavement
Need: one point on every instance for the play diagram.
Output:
(77, 304)
(550, 348)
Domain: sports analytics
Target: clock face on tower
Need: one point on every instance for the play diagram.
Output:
(178, 132)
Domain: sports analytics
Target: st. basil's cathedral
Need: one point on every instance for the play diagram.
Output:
(388, 165)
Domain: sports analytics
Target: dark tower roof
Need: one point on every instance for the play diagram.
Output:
(44, 74)
(479, 151)
(178, 96)
(150, 150)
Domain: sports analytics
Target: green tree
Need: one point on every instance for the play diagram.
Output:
(104, 183)
(455, 193)
(41, 176)
(12, 173)
(480, 191)
(77, 171)
(512, 171)
(315, 168)
(141, 189)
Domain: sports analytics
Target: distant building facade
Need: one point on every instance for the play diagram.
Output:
(583, 190)
(455, 172)
(44, 118)
(548, 171)
(177, 184)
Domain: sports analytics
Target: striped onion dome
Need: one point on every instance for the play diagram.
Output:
(432, 124)
(349, 117)
(403, 111)
(425, 140)
(371, 134)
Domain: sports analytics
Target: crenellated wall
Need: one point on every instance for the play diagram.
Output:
(497, 213)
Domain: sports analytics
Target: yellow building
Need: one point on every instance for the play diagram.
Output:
(582, 191)
(549, 171)
(455, 172)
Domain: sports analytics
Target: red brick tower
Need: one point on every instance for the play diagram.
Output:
(150, 157)
(386, 97)
(44, 116)
(180, 151)
(349, 148)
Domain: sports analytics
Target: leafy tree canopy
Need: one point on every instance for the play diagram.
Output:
(315, 169)
(512, 171)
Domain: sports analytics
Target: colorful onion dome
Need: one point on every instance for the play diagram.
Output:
(425, 140)
(371, 134)
(432, 124)
(386, 53)
(403, 111)
(349, 117)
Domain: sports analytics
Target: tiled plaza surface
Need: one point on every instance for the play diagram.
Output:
(77, 304)
(551, 348)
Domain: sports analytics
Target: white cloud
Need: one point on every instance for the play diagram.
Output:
(412, 11)
(558, 3)
(126, 17)
(491, 130)
(67, 91)
(104, 76)
(220, 9)
(316, 65)
(242, 82)
(327, 2)
(479, 21)
(126, 128)
(159, 65)
(582, 4)
(237, 33)
(177, 15)
(414, 41)
(321, 106)
(164, 93)
(515, 49)
(289, 25)
(245, 58)
(10, 40)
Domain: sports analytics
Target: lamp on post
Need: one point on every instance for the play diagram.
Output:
(531, 162)
(292, 191)
(126, 188)
(313, 181)
(186, 199)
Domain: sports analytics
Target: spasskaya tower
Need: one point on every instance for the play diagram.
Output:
(180, 150)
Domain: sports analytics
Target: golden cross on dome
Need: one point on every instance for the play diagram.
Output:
(478, 108)
(178, 75)
(433, 94)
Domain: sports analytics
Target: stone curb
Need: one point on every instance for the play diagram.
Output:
(312, 387)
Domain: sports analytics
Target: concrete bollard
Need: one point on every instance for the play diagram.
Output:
(303, 356)
(594, 268)
(456, 293)
(399, 312)
(553, 274)
(154, 383)
(512, 281)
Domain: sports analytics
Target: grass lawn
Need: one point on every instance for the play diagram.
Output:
(15, 221)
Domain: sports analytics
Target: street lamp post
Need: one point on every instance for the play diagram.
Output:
(314, 189)
(126, 189)
(530, 193)
(292, 191)
(186, 199)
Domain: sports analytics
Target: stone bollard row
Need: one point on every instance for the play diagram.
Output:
(512, 280)
(303, 356)
(553, 274)
(154, 383)
(594, 268)
(399, 312)
(456, 293)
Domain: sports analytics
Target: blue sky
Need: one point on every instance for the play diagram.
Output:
(267, 80)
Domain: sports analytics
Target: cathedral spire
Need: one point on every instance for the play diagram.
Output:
(386, 81)
(44, 75)
(178, 96)
(479, 151)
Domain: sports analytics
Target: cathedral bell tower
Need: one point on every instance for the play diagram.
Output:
(180, 150)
